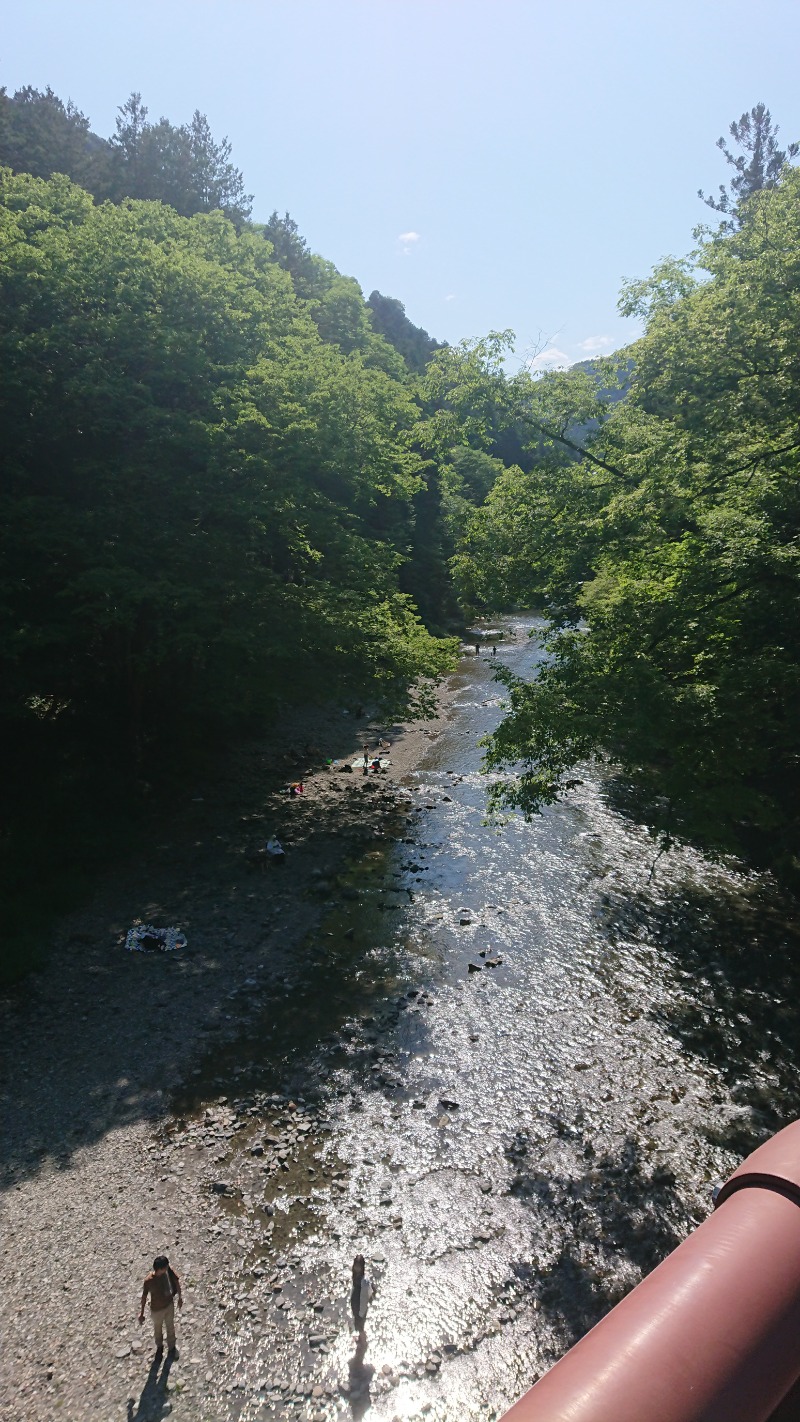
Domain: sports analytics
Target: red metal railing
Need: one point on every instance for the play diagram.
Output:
(713, 1334)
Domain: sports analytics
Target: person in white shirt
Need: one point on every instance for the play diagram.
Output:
(275, 850)
(361, 1293)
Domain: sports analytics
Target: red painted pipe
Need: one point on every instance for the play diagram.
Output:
(713, 1334)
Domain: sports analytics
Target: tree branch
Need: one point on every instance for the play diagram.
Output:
(751, 463)
(577, 449)
(768, 575)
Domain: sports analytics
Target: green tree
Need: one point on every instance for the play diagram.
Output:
(40, 134)
(211, 478)
(213, 179)
(665, 553)
(128, 144)
(757, 166)
(291, 251)
(182, 166)
(390, 321)
(192, 476)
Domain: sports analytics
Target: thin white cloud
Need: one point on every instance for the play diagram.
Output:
(407, 241)
(451, 296)
(550, 359)
(594, 344)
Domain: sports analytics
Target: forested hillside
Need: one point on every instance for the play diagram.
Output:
(232, 484)
(179, 164)
(214, 502)
(663, 546)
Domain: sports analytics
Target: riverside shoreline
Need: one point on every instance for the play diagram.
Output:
(98, 1045)
(507, 1068)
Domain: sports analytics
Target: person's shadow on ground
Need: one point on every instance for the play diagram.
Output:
(361, 1375)
(150, 1407)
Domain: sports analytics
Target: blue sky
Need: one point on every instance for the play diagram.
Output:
(491, 163)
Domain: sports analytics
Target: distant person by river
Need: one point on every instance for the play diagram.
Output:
(361, 1293)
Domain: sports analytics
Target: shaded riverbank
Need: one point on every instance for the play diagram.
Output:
(508, 1067)
(95, 1045)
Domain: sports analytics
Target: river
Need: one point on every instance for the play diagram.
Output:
(526, 1055)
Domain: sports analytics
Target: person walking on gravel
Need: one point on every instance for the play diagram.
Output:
(163, 1287)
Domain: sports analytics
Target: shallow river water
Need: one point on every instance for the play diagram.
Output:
(526, 1056)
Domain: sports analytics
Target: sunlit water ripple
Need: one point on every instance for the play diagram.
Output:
(527, 1139)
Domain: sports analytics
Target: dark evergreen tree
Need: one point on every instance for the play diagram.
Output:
(390, 321)
(182, 166)
(128, 145)
(40, 134)
(291, 251)
(758, 166)
(214, 180)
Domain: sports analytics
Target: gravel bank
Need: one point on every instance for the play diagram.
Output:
(98, 1176)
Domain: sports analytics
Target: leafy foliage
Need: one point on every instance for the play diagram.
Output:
(665, 551)
(390, 321)
(39, 134)
(758, 166)
(215, 502)
(192, 470)
(181, 165)
(201, 496)
(291, 251)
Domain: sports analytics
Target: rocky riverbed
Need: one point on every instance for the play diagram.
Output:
(97, 1173)
(508, 1067)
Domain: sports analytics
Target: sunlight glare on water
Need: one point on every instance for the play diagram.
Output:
(535, 1133)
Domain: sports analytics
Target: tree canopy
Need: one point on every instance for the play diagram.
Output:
(758, 165)
(232, 483)
(207, 499)
(390, 320)
(664, 548)
(193, 474)
(181, 165)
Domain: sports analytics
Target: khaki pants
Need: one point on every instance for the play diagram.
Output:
(160, 1317)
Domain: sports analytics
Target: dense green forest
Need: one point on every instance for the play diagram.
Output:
(660, 534)
(232, 484)
(215, 501)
